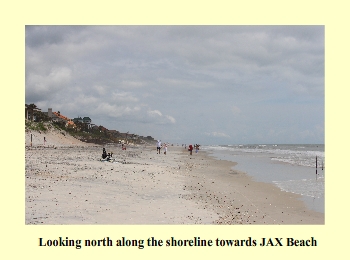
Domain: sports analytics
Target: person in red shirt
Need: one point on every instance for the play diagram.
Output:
(190, 148)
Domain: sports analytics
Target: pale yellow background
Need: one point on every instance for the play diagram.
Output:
(19, 241)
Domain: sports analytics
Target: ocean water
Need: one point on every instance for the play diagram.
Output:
(292, 168)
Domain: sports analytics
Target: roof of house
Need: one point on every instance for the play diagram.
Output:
(61, 116)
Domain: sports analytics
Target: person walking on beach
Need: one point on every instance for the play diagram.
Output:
(197, 148)
(165, 148)
(190, 148)
(159, 144)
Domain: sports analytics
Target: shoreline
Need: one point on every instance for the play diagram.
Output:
(239, 199)
(293, 178)
(68, 184)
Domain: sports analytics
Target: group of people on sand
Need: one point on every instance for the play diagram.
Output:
(190, 148)
(106, 155)
(159, 147)
(165, 147)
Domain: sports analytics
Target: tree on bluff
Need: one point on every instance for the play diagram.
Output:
(31, 108)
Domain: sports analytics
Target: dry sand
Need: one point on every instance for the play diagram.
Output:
(67, 183)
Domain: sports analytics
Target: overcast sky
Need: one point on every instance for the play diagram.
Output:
(184, 84)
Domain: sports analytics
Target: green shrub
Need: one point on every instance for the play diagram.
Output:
(36, 126)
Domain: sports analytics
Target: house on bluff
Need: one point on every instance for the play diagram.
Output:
(85, 120)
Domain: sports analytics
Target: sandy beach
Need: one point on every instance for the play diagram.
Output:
(67, 183)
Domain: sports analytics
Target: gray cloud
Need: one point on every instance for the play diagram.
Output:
(237, 83)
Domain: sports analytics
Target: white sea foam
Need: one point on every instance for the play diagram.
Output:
(293, 154)
(306, 187)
